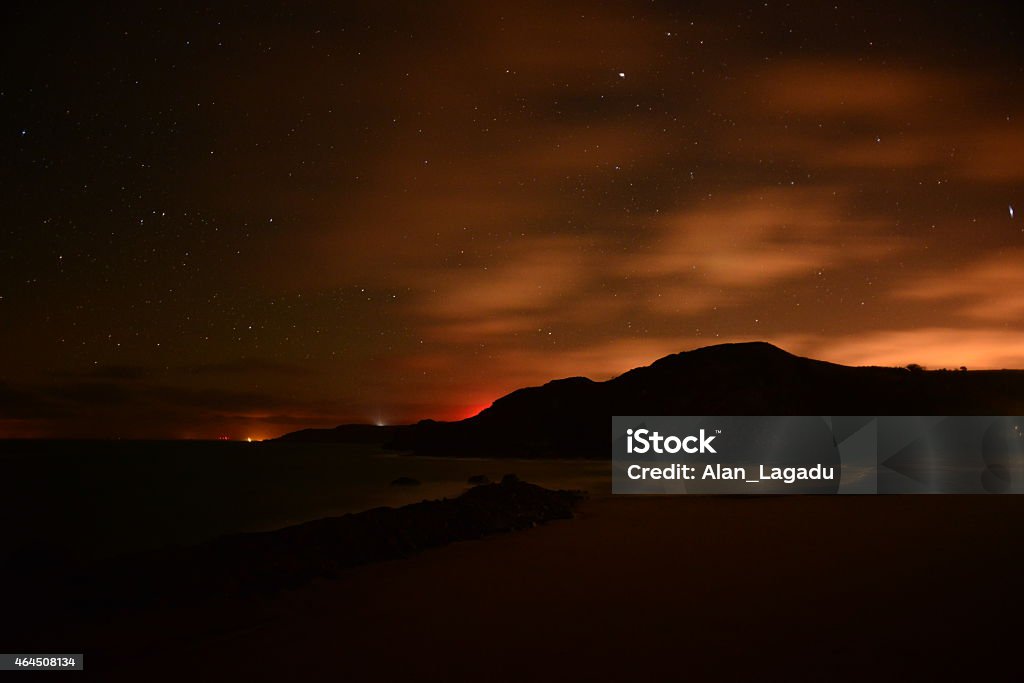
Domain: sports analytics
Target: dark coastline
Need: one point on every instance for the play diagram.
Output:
(262, 563)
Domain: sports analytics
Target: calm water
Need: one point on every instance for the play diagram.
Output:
(82, 501)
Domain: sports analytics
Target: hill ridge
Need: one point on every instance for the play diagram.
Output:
(569, 417)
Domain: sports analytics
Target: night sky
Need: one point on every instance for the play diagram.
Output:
(242, 219)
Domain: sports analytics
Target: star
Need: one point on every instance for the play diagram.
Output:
(622, 74)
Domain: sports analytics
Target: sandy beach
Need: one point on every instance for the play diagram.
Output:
(638, 588)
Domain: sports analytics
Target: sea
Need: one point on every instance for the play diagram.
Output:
(68, 502)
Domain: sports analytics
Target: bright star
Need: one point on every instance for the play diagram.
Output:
(622, 74)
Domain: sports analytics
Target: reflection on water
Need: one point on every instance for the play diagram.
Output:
(80, 501)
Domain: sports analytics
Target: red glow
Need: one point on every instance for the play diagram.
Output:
(474, 410)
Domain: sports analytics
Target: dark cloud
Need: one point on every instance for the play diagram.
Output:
(110, 372)
(244, 366)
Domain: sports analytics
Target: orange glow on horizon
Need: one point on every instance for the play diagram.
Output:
(475, 410)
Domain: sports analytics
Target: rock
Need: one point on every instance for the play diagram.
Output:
(261, 563)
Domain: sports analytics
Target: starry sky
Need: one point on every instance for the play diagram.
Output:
(239, 219)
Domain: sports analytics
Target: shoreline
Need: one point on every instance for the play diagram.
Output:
(838, 587)
(261, 563)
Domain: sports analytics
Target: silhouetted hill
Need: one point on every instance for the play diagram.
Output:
(571, 417)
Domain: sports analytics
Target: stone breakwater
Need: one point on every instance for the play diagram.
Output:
(265, 562)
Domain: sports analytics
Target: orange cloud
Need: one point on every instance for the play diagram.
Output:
(850, 89)
(933, 347)
(749, 240)
(528, 279)
(994, 154)
(991, 288)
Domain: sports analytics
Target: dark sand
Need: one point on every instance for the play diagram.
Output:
(652, 588)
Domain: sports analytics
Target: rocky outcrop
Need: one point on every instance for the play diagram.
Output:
(260, 563)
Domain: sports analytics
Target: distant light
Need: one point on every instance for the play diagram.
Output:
(622, 74)
(1011, 212)
(249, 439)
